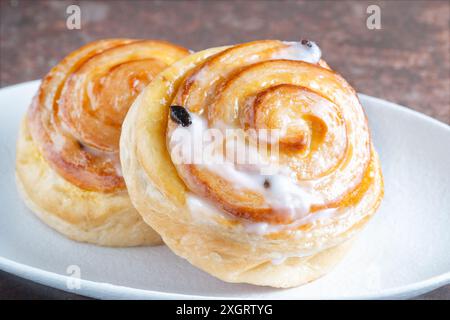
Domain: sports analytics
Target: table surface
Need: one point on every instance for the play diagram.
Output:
(407, 61)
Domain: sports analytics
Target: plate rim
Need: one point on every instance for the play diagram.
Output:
(96, 289)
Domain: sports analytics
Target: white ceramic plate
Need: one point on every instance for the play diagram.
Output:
(404, 251)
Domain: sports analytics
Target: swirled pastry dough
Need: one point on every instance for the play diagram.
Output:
(67, 166)
(238, 222)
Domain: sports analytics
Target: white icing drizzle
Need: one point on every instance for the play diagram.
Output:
(284, 193)
(201, 208)
(310, 53)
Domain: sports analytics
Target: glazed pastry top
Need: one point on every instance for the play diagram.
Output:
(321, 160)
(75, 118)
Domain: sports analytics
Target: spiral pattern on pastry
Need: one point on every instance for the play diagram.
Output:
(324, 140)
(67, 157)
(76, 116)
(235, 221)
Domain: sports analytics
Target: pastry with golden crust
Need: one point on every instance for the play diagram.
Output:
(67, 163)
(282, 220)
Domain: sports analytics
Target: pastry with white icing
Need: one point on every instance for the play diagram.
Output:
(286, 217)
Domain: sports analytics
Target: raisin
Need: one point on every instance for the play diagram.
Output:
(306, 43)
(180, 115)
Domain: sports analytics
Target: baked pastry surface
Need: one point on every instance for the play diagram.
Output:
(67, 159)
(237, 224)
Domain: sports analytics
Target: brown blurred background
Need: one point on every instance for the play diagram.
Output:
(407, 61)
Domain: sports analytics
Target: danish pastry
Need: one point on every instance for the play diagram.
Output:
(288, 216)
(67, 164)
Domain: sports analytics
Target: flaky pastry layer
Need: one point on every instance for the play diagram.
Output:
(107, 219)
(219, 244)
